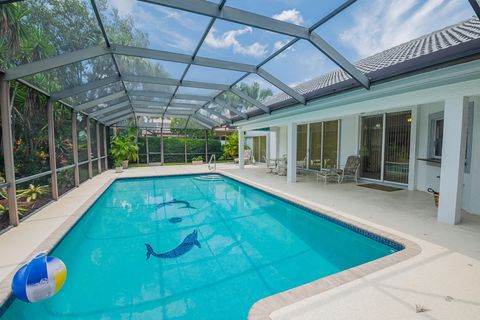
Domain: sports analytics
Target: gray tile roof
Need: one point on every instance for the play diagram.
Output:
(448, 37)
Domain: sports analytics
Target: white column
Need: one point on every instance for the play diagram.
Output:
(241, 146)
(453, 160)
(292, 153)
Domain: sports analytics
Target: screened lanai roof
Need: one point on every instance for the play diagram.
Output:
(213, 63)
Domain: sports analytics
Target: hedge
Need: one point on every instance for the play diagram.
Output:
(174, 148)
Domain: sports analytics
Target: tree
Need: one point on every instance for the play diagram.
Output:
(12, 29)
(190, 127)
(34, 30)
(252, 90)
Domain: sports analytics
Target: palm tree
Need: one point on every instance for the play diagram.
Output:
(253, 90)
(12, 28)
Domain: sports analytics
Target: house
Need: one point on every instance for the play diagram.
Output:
(418, 126)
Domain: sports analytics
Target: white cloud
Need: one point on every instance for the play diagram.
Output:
(183, 18)
(384, 24)
(292, 15)
(229, 40)
(279, 44)
(163, 25)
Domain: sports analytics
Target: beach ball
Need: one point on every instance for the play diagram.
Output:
(39, 279)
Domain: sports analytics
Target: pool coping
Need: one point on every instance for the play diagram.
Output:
(263, 308)
(6, 297)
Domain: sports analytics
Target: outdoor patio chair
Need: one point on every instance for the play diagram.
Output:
(281, 168)
(247, 156)
(271, 165)
(302, 166)
(350, 170)
(328, 175)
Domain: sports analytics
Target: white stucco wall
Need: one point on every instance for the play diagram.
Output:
(349, 137)
(426, 173)
(282, 143)
(272, 143)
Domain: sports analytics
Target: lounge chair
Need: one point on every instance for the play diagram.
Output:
(350, 170)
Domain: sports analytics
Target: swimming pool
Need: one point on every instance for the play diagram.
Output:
(193, 247)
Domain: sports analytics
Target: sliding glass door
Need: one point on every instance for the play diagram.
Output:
(397, 146)
(385, 147)
(371, 147)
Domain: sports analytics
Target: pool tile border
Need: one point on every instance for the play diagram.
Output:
(263, 308)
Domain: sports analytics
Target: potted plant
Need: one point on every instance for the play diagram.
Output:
(118, 166)
(197, 160)
(124, 147)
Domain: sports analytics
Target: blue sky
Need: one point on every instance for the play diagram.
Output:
(367, 27)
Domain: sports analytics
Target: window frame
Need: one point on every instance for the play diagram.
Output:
(433, 118)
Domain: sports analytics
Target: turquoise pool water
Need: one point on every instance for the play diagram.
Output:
(250, 245)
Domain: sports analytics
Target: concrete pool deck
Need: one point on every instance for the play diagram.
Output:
(444, 278)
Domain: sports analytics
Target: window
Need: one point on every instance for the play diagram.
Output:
(436, 135)
(302, 147)
(322, 147)
(330, 144)
(315, 146)
(260, 148)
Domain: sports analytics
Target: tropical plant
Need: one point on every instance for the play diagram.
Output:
(230, 150)
(117, 163)
(197, 158)
(32, 192)
(123, 146)
(66, 179)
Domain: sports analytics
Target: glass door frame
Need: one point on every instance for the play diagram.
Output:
(308, 153)
(258, 138)
(384, 122)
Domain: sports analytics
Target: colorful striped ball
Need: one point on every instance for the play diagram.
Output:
(39, 279)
